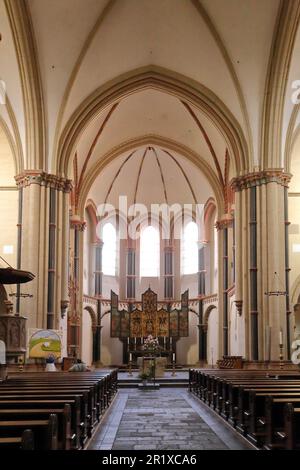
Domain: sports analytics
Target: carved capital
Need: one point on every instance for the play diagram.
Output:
(77, 224)
(226, 221)
(28, 177)
(257, 178)
(239, 306)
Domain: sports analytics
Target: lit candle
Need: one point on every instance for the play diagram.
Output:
(280, 338)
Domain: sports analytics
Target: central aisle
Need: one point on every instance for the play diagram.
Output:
(165, 419)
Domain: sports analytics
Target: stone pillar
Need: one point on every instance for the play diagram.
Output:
(98, 246)
(74, 317)
(38, 241)
(130, 270)
(261, 232)
(223, 226)
(168, 271)
(201, 293)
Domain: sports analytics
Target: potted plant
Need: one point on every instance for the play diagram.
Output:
(144, 376)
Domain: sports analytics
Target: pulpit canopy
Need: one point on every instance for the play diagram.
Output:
(15, 276)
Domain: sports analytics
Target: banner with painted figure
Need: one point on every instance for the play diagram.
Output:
(44, 343)
(162, 323)
(125, 324)
(174, 317)
(136, 327)
(115, 317)
(184, 315)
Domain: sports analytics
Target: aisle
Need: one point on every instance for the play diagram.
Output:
(165, 419)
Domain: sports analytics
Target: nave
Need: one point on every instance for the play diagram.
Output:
(165, 419)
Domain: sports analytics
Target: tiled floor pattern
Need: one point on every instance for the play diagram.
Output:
(167, 419)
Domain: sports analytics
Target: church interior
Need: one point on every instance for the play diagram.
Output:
(150, 224)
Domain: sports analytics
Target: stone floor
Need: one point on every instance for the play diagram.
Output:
(165, 419)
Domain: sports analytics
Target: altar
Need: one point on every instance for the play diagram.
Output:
(153, 365)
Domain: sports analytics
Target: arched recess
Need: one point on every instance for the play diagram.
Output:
(9, 196)
(88, 332)
(211, 335)
(295, 307)
(158, 78)
(171, 145)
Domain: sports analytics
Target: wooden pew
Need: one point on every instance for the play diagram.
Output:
(291, 427)
(44, 431)
(76, 424)
(65, 438)
(24, 442)
(35, 395)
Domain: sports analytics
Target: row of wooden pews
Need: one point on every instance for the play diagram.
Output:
(263, 405)
(53, 410)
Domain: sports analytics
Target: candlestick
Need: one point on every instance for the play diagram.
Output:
(128, 340)
(280, 338)
(135, 340)
(281, 356)
(173, 371)
(130, 364)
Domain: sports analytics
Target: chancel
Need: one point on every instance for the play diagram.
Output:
(149, 232)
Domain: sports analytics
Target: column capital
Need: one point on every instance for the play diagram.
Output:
(257, 178)
(77, 223)
(40, 177)
(97, 242)
(226, 221)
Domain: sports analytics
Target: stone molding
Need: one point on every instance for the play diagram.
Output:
(276, 175)
(28, 177)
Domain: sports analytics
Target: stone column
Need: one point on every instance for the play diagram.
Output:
(223, 226)
(168, 271)
(201, 293)
(74, 317)
(130, 270)
(98, 246)
(261, 232)
(38, 218)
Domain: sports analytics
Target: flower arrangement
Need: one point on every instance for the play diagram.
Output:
(151, 344)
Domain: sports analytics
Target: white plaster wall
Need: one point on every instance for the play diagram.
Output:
(187, 348)
(86, 338)
(236, 331)
(111, 348)
(109, 283)
(212, 337)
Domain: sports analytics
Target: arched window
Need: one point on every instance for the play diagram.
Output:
(109, 250)
(189, 249)
(149, 252)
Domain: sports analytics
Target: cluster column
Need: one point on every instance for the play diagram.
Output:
(202, 330)
(42, 231)
(75, 285)
(261, 234)
(168, 271)
(98, 293)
